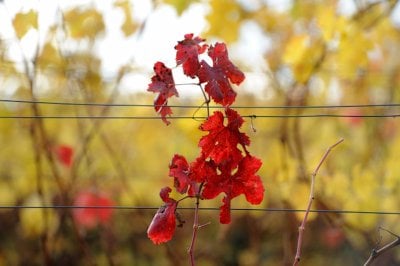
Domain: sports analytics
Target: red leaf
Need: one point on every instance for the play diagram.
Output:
(90, 217)
(162, 227)
(187, 53)
(202, 169)
(221, 143)
(244, 181)
(163, 83)
(225, 211)
(219, 75)
(64, 154)
(164, 194)
(179, 169)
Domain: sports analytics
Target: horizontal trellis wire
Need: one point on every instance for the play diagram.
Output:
(386, 107)
(204, 209)
(383, 105)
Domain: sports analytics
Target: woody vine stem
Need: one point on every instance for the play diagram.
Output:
(196, 225)
(302, 227)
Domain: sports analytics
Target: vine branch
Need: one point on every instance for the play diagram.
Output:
(302, 227)
(375, 253)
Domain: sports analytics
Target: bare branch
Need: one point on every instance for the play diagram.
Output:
(310, 200)
(377, 252)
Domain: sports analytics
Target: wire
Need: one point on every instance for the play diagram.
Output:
(368, 212)
(196, 117)
(204, 107)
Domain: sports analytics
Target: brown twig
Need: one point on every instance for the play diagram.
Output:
(377, 252)
(194, 234)
(196, 227)
(310, 200)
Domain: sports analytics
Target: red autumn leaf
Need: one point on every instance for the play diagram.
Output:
(202, 169)
(221, 143)
(187, 54)
(89, 218)
(162, 227)
(219, 75)
(64, 154)
(163, 83)
(245, 181)
(179, 170)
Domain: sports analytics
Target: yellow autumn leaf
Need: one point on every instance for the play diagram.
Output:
(84, 23)
(129, 26)
(330, 23)
(352, 53)
(35, 221)
(301, 54)
(180, 5)
(295, 49)
(23, 22)
(224, 19)
(49, 57)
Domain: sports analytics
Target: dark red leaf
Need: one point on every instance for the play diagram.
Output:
(225, 211)
(164, 194)
(64, 154)
(179, 170)
(89, 218)
(219, 75)
(163, 83)
(162, 227)
(187, 53)
(202, 169)
(221, 143)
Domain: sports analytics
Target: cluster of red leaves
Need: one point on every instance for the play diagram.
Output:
(217, 78)
(224, 164)
(89, 214)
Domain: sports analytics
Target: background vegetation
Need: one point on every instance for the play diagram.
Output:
(318, 53)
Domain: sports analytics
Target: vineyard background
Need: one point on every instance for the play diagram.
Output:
(323, 74)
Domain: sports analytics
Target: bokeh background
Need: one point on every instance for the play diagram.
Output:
(78, 129)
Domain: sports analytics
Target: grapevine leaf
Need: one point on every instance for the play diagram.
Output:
(163, 84)
(219, 75)
(162, 227)
(244, 181)
(202, 169)
(221, 143)
(179, 169)
(187, 54)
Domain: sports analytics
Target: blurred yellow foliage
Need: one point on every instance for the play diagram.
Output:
(35, 221)
(129, 26)
(84, 24)
(224, 20)
(180, 5)
(23, 22)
